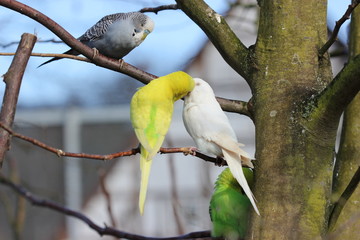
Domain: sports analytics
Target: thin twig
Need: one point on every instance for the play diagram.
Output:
(107, 198)
(174, 192)
(134, 151)
(100, 230)
(98, 59)
(17, 218)
(337, 27)
(61, 55)
(228, 105)
(160, 8)
(38, 41)
(340, 203)
(13, 79)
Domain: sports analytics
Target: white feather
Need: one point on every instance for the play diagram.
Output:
(210, 128)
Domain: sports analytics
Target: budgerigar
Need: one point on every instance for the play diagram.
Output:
(115, 35)
(210, 128)
(151, 110)
(229, 206)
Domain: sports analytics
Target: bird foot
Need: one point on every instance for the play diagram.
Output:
(190, 150)
(95, 52)
(121, 61)
(220, 162)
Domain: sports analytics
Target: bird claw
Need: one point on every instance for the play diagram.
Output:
(121, 61)
(191, 151)
(220, 162)
(95, 52)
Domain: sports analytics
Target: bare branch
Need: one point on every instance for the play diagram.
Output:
(38, 41)
(98, 59)
(235, 106)
(134, 151)
(107, 198)
(234, 52)
(160, 8)
(13, 79)
(337, 27)
(100, 230)
(227, 105)
(340, 203)
(333, 100)
(61, 55)
(174, 192)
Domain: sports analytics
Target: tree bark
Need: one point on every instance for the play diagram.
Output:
(348, 158)
(13, 79)
(295, 159)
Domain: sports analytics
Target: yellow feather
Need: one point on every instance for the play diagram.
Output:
(151, 110)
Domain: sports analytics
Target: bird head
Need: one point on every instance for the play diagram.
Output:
(202, 93)
(148, 28)
(143, 24)
(181, 84)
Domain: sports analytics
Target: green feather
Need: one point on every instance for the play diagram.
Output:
(229, 206)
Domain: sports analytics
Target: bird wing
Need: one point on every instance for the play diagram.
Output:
(202, 121)
(229, 211)
(228, 143)
(150, 117)
(100, 28)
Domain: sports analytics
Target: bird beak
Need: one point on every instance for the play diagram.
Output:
(146, 32)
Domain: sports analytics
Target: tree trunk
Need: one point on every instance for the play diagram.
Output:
(294, 151)
(296, 107)
(348, 159)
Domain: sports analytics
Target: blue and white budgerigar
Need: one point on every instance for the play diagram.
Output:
(210, 128)
(115, 35)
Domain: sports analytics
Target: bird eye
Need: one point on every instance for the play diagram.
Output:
(133, 34)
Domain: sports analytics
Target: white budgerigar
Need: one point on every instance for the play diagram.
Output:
(115, 35)
(210, 128)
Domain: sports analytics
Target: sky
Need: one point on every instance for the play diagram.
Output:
(173, 43)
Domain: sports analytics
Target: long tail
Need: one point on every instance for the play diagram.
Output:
(70, 52)
(233, 159)
(145, 167)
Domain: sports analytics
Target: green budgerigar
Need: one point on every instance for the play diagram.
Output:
(229, 206)
(151, 110)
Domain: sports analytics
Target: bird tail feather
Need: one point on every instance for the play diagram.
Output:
(145, 167)
(233, 159)
(70, 52)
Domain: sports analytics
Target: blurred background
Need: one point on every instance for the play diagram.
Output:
(79, 107)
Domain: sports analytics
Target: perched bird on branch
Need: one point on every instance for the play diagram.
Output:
(229, 206)
(115, 35)
(151, 111)
(210, 128)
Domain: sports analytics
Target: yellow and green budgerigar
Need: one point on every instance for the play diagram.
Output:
(229, 206)
(151, 110)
